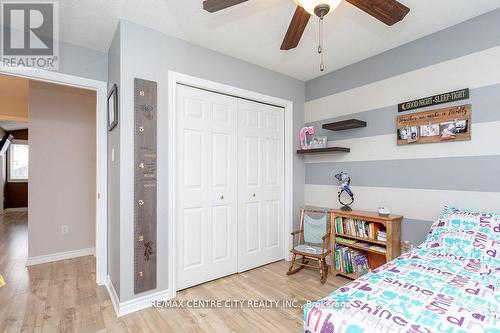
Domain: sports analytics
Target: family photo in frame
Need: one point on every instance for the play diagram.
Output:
(448, 124)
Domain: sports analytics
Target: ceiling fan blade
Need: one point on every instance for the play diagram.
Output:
(216, 5)
(387, 11)
(296, 29)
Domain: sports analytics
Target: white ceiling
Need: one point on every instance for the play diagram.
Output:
(253, 31)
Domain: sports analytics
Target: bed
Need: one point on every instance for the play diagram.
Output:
(449, 284)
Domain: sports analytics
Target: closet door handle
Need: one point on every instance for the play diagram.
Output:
(222, 197)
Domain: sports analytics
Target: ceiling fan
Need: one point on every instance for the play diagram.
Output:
(387, 11)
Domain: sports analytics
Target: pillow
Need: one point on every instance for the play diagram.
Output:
(464, 219)
(467, 233)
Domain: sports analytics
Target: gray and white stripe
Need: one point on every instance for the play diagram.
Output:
(415, 180)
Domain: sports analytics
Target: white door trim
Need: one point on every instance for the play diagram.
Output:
(101, 88)
(175, 78)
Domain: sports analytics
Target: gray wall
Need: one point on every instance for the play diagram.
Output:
(405, 178)
(81, 61)
(148, 54)
(114, 170)
(465, 38)
(62, 187)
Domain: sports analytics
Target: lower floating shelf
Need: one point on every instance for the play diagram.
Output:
(324, 150)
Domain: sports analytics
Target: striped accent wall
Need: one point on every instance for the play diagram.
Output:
(414, 180)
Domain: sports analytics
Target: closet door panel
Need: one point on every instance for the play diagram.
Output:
(252, 228)
(252, 161)
(206, 190)
(192, 220)
(193, 159)
(260, 186)
(221, 233)
(272, 231)
(220, 160)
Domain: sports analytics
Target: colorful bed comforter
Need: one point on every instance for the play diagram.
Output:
(448, 284)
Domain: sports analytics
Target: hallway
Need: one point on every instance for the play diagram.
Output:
(55, 297)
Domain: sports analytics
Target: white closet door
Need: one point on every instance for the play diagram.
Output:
(260, 184)
(206, 162)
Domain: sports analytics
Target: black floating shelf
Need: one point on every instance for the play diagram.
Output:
(344, 125)
(324, 150)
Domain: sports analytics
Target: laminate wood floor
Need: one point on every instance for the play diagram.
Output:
(63, 297)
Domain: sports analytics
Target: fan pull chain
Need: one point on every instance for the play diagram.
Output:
(320, 46)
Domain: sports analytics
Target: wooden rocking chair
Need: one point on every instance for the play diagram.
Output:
(312, 243)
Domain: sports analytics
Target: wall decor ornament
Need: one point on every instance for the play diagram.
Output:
(319, 142)
(448, 97)
(441, 125)
(345, 189)
(113, 107)
(145, 190)
(305, 137)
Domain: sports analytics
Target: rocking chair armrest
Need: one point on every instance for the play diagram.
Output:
(326, 240)
(294, 237)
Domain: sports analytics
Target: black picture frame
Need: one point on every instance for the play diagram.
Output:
(113, 108)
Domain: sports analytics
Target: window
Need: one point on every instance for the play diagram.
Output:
(18, 162)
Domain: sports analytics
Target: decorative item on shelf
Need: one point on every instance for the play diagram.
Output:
(319, 142)
(305, 137)
(407, 246)
(383, 211)
(345, 181)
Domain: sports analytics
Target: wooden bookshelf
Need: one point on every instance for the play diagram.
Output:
(392, 225)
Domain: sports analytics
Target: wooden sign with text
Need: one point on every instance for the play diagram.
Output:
(145, 171)
(452, 96)
(441, 125)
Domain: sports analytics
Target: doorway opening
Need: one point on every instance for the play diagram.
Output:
(53, 170)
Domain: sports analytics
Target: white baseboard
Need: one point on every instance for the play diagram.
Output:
(136, 304)
(113, 296)
(60, 256)
(17, 209)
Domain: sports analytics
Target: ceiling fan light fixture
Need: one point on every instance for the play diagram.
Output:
(311, 5)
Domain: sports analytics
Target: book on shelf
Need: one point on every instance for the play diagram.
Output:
(350, 261)
(369, 246)
(382, 236)
(359, 228)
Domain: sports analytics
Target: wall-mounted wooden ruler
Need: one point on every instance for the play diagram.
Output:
(145, 170)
